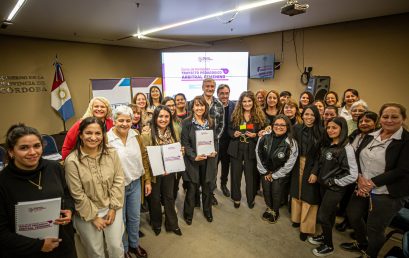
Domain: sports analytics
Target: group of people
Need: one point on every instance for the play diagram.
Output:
(315, 156)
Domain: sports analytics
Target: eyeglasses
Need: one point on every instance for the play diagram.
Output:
(280, 125)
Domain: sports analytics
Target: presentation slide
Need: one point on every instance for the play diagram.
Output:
(184, 72)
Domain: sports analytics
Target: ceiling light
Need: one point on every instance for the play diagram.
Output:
(238, 9)
(257, 4)
(15, 10)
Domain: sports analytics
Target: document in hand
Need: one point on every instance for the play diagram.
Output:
(166, 158)
(35, 219)
(173, 158)
(204, 142)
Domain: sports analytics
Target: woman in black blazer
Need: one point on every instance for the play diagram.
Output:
(383, 180)
(247, 120)
(305, 191)
(200, 169)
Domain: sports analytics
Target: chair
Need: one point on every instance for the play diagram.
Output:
(50, 150)
(3, 154)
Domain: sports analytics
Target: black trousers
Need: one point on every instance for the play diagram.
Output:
(384, 208)
(224, 159)
(163, 187)
(176, 187)
(272, 192)
(285, 192)
(237, 166)
(345, 200)
(327, 211)
(192, 192)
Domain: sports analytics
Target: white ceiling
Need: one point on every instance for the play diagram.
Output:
(110, 21)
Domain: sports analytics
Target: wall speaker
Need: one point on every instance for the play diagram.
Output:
(318, 86)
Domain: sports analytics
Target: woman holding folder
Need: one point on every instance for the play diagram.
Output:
(200, 167)
(162, 133)
(28, 177)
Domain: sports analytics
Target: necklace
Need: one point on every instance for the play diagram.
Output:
(39, 183)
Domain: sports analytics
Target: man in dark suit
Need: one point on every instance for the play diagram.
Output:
(223, 93)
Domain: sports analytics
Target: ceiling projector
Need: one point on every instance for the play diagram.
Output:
(292, 7)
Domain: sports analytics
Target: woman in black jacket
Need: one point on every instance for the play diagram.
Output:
(305, 192)
(276, 154)
(366, 125)
(28, 177)
(200, 169)
(382, 182)
(337, 168)
(247, 120)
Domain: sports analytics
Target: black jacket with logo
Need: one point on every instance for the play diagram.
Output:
(337, 167)
(276, 154)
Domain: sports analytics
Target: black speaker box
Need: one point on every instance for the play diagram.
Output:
(318, 86)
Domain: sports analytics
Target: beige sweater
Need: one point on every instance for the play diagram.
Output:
(93, 185)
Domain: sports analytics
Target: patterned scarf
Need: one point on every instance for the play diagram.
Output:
(164, 138)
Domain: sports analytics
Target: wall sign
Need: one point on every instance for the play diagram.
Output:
(15, 84)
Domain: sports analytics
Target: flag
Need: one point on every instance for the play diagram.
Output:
(60, 95)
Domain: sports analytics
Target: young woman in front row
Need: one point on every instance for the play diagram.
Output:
(383, 180)
(28, 177)
(276, 154)
(162, 133)
(200, 169)
(95, 178)
(305, 192)
(247, 120)
(337, 168)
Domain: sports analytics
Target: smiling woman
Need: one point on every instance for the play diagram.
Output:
(383, 181)
(28, 177)
(95, 178)
(134, 159)
(247, 120)
(276, 153)
(99, 107)
(305, 195)
(162, 133)
(200, 169)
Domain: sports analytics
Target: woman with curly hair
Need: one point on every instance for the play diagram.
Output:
(247, 120)
(261, 98)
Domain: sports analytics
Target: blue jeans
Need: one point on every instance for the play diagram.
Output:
(131, 214)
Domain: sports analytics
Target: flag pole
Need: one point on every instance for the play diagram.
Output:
(63, 121)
